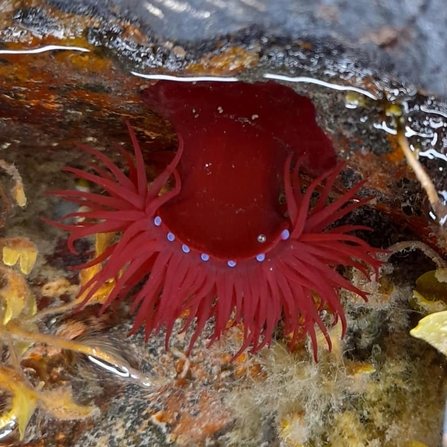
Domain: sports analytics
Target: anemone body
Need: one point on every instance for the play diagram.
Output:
(219, 243)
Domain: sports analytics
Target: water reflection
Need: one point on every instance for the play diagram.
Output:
(163, 77)
(8, 428)
(45, 49)
(309, 80)
(126, 372)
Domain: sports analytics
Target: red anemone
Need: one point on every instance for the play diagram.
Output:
(219, 244)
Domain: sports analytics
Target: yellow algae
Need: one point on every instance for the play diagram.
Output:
(354, 100)
(24, 400)
(17, 191)
(433, 285)
(15, 295)
(433, 330)
(59, 403)
(20, 250)
(393, 110)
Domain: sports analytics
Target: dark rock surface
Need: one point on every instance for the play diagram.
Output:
(409, 37)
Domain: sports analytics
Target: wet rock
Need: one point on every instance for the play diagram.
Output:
(53, 99)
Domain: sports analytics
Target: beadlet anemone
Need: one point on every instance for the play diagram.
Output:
(219, 243)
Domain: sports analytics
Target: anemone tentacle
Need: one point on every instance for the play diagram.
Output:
(122, 179)
(114, 189)
(160, 181)
(92, 200)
